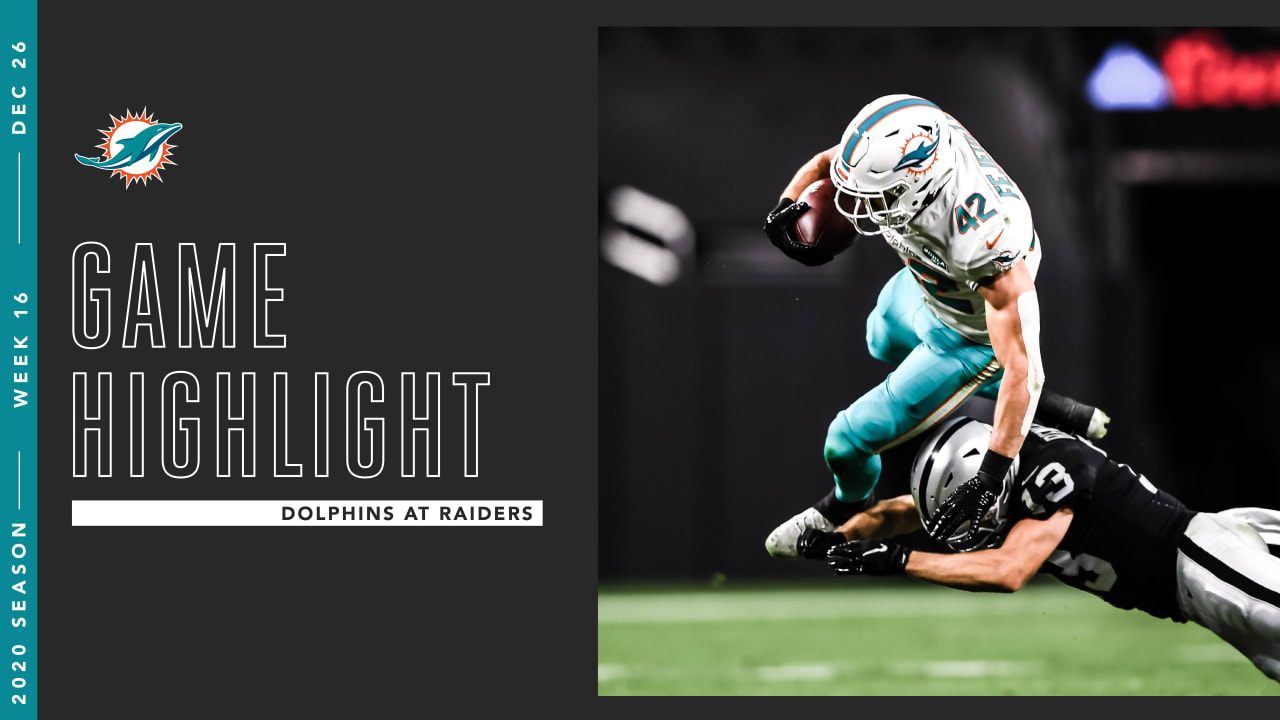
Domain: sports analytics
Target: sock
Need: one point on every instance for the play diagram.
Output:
(839, 511)
(1062, 412)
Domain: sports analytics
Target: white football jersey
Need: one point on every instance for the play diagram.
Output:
(978, 226)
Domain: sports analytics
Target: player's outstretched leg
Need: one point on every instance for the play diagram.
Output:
(1229, 582)
(1069, 415)
(827, 514)
(891, 337)
(1063, 413)
(935, 379)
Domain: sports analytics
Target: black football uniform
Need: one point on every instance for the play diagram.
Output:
(1122, 542)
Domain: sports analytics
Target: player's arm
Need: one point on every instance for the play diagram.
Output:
(779, 225)
(1002, 569)
(887, 518)
(818, 167)
(1013, 322)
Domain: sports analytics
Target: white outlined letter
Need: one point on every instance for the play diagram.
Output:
(210, 313)
(321, 425)
(472, 382)
(280, 428)
(142, 307)
(413, 423)
(243, 424)
(367, 433)
(137, 425)
(90, 307)
(264, 294)
(179, 387)
(86, 420)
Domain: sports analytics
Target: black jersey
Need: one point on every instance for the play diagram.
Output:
(1122, 542)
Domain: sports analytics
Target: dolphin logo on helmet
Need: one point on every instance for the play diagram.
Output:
(924, 151)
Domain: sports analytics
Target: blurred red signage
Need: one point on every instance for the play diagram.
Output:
(1204, 71)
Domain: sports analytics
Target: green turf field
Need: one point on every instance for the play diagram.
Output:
(869, 637)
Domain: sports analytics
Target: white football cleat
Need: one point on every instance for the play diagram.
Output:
(1098, 425)
(783, 541)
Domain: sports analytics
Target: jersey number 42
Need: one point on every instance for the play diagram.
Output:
(966, 221)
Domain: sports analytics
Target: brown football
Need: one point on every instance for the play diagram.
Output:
(822, 225)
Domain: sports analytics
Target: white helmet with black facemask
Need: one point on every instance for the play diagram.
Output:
(950, 456)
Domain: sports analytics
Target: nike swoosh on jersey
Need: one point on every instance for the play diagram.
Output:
(994, 240)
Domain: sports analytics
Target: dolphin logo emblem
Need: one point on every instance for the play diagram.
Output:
(916, 158)
(141, 147)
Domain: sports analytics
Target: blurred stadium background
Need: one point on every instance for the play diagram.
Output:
(1151, 161)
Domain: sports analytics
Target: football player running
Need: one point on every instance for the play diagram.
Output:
(961, 317)
(1065, 508)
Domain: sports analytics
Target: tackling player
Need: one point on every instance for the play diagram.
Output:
(961, 317)
(1065, 508)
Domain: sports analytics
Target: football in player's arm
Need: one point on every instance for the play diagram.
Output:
(1066, 508)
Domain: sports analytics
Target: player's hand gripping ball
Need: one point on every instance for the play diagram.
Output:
(810, 230)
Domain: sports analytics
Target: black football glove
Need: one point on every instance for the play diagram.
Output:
(814, 543)
(868, 557)
(779, 225)
(971, 501)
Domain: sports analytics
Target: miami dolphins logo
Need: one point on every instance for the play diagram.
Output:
(135, 148)
(919, 152)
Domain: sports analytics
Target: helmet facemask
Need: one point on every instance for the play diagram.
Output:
(871, 211)
(894, 151)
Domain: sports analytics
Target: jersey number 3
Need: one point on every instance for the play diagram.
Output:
(966, 222)
(1084, 571)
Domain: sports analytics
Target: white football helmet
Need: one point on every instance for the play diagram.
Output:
(897, 152)
(950, 456)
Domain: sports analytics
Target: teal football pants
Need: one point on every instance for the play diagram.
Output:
(937, 370)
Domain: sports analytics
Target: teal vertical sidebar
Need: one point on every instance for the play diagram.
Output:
(18, 462)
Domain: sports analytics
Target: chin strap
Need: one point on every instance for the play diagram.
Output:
(1029, 317)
